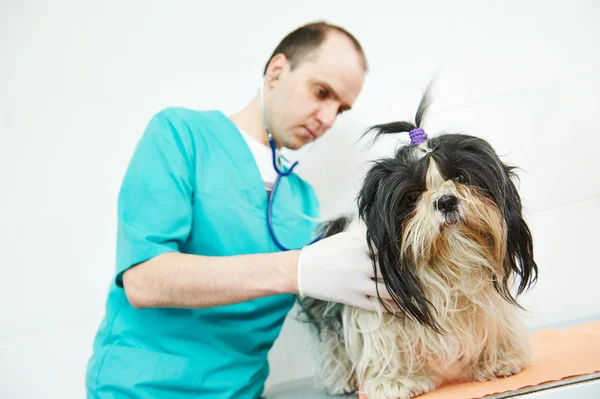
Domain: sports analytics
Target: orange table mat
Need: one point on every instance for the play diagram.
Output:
(559, 354)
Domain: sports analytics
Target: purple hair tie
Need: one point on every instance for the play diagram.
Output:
(417, 136)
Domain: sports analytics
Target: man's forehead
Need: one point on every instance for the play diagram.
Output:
(339, 47)
(343, 71)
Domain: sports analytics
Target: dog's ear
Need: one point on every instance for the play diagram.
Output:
(519, 260)
(380, 210)
(334, 226)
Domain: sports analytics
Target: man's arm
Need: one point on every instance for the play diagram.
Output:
(192, 281)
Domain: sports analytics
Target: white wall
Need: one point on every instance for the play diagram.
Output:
(79, 81)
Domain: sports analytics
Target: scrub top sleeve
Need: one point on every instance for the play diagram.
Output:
(155, 199)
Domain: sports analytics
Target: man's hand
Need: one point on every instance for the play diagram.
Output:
(338, 269)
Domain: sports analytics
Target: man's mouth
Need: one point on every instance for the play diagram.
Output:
(311, 133)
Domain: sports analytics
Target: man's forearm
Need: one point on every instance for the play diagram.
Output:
(193, 281)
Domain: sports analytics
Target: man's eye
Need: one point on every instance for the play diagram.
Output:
(321, 93)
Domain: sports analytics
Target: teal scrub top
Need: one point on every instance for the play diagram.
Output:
(193, 186)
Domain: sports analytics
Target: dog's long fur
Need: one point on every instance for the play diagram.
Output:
(444, 222)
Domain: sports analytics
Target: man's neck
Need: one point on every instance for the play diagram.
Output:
(250, 120)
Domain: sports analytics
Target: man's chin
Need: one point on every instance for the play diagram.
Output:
(295, 143)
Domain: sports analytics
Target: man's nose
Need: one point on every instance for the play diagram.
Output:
(327, 116)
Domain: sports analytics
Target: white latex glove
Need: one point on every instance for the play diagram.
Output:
(338, 269)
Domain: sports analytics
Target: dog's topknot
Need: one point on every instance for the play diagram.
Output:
(407, 126)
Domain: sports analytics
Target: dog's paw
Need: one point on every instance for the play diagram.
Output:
(344, 391)
(342, 388)
(503, 369)
(399, 389)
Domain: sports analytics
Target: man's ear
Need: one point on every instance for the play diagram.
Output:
(278, 66)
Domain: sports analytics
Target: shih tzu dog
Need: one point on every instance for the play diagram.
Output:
(444, 225)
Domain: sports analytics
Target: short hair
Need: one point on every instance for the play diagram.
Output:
(298, 44)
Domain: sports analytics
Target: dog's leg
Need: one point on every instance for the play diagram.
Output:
(335, 367)
(387, 364)
(506, 353)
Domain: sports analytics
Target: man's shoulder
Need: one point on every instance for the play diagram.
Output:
(187, 125)
(179, 114)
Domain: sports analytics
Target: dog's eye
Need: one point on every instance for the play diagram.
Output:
(460, 179)
(412, 197)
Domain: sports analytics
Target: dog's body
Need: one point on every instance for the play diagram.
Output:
(444, 221)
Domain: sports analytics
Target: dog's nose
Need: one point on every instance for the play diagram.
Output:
(446, 204)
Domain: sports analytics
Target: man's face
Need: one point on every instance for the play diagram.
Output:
(304, 103)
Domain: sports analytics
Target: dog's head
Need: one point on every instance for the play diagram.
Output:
(444, 215)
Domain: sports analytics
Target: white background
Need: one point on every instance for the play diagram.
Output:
(80, 80)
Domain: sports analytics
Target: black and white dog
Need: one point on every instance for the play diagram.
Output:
(443, 220)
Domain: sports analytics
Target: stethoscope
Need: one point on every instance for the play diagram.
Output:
(280, 173)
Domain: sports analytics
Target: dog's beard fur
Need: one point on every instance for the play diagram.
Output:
(449, 268)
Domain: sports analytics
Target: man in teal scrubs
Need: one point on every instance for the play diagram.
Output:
(201, 290)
